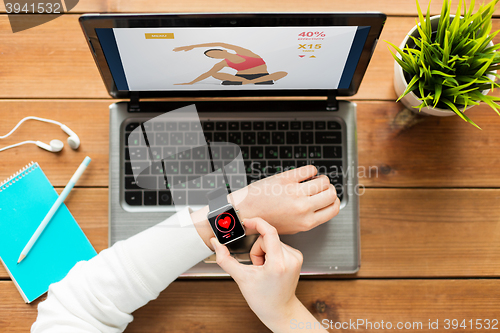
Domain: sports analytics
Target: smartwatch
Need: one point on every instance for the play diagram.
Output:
(223, 218)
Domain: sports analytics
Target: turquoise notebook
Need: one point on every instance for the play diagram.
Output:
(25, 199)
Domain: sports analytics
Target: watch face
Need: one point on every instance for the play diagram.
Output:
(226, 224)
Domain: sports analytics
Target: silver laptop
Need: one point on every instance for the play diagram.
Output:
(300, 63)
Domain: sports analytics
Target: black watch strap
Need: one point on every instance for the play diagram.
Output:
(217, 198)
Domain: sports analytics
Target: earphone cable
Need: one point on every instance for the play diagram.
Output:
(17, 144)
(29, 118)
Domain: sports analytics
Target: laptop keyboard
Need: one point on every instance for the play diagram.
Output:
(268, 147)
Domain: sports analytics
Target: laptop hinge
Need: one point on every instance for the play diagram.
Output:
(133, 105)
(331, 102)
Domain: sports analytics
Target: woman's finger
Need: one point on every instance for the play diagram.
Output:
(327, 213)
(293, 251)
(257, 253)
(271, 243)
(323, 199)
(315, 186)
(225, 261)
(300, 174)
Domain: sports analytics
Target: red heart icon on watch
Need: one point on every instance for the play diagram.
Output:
(225, 222)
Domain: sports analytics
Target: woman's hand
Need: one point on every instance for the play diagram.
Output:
(269, 284)
(283, 200)
(287, 203)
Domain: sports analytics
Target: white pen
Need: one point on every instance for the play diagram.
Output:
(54, 208)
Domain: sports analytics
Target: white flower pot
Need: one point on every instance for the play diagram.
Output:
(400, 84)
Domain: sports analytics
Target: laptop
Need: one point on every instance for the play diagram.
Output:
(267, 83)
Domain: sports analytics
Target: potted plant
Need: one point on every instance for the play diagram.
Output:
(447, 63)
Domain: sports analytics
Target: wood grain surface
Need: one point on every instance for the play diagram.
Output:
(404, 233)
(217, 306)
(88, 119)
(430, 210)
(60, 65)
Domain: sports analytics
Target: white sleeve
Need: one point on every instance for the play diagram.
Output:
(99, 295)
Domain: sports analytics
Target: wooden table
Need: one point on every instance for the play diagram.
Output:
(430, 217)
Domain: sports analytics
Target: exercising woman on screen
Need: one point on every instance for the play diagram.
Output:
(250, 67)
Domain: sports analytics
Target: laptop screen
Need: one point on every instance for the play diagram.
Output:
(233, 58)
(232, 54)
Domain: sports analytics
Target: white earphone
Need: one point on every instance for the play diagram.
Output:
(55, 145)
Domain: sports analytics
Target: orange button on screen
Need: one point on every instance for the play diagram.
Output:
(169, 35)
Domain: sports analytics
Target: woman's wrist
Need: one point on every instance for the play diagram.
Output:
(287, 320)
(279, 320)
(202, 225)
(241, 203)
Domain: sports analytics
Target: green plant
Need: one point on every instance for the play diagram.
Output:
(449, 67)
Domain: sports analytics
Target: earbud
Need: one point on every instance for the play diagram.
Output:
(55, 145)
(73, 140)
